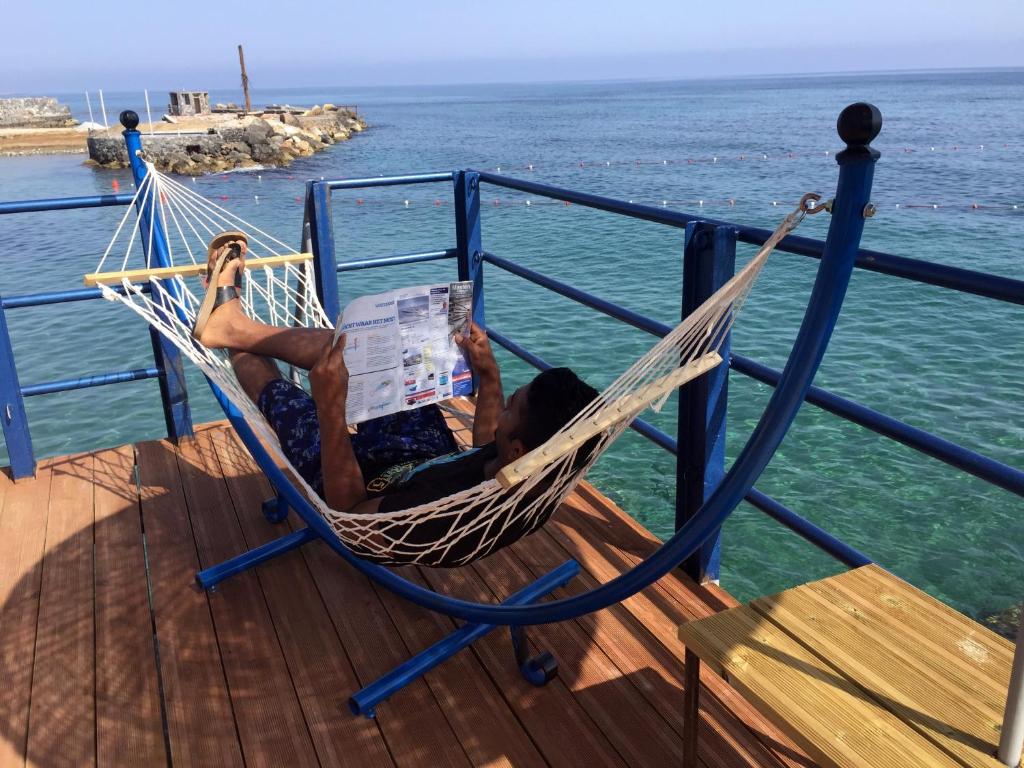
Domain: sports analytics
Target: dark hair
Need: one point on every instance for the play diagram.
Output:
(554, 397)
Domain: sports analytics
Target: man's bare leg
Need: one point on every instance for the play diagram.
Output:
(230, 328)
(254, 372)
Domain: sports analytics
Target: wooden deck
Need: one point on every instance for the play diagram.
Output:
(110, 655)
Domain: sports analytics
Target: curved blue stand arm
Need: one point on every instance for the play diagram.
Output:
(858, 125)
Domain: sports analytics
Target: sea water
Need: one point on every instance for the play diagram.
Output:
(944, 361)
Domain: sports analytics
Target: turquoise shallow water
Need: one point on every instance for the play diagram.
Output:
(946, 362)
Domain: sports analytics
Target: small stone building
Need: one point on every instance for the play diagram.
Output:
(189, 103)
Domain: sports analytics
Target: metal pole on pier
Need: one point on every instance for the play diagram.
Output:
(88, 103)
(103, 109)
(173, 391)
(245, 80)
(1011, 740)
(149, 115)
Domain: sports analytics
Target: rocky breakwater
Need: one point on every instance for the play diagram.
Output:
(35, 113)
(211, 143)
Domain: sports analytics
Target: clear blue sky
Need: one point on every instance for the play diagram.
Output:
(71, 45)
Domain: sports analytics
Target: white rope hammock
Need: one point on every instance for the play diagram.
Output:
(279, 289)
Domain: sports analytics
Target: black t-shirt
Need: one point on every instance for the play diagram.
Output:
(414, 483)
(409, 485)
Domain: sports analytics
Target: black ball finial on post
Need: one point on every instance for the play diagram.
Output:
(129, 119)
(858, 125)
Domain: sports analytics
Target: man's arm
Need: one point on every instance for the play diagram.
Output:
(490, 400)
(344, 488)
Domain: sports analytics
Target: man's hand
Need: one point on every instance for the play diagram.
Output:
(478, 351)
(489, 398)
(328, 379)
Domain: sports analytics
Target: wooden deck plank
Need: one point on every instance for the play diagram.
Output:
(200, 720)
(939, 707)
(561, 728)
(488, 730)
(973, 655)
(330, 630)
(22, 538)
(270, 724)
(624, 544)
(61, 714)
(833, 719)
(317, 661)
(414, 727)
(129, 725)
(654, 667)
(636, 730)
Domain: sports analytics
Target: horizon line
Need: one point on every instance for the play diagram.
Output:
(645, 79)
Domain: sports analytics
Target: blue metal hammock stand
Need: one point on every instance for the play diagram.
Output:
(858, 125)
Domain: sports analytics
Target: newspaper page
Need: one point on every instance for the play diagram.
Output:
(400, 349)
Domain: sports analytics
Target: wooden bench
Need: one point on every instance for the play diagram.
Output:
(860, 669)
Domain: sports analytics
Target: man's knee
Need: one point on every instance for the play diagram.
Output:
(254, 372)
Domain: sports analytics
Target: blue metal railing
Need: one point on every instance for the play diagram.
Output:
(930, 273)
(12, 393)
(471, 257)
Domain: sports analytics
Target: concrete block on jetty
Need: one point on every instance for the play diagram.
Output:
(218, 142)
(35, 112)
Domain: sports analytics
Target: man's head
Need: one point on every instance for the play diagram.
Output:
(535, 411)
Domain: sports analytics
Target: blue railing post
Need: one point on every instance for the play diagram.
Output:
(467, 237)
(173, 390)
(12, 409)
(709, 260)
(325, 262)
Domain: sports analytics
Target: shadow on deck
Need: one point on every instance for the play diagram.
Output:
(110, 655)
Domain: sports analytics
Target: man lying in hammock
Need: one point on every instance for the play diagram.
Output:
(394, 462)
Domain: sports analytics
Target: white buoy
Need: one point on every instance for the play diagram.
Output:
(528, 202)
(933, 149)
(765, 157)
(714, 159)
(607, 162)
(499, 169)
(775, 202)
(530, 166)
(256, 198)
(406, 203)
(700, 203)
(934, 207)
(897, 205)
(664, 162)
(259, 177)
(664, 203)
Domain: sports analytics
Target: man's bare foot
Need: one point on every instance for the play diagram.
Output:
(218, 332)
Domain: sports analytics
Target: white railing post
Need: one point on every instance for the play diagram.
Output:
(1011, 740)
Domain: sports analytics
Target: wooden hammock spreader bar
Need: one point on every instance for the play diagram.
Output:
(187, 270)
(627, 406)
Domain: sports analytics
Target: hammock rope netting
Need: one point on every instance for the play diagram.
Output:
(279, 289)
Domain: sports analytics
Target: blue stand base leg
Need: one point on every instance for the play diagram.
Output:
(211, 577)
(275, 510)
(537, 670)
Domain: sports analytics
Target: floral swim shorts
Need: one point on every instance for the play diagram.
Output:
(417, 435)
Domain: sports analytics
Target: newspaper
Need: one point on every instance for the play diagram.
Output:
(400, 349)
